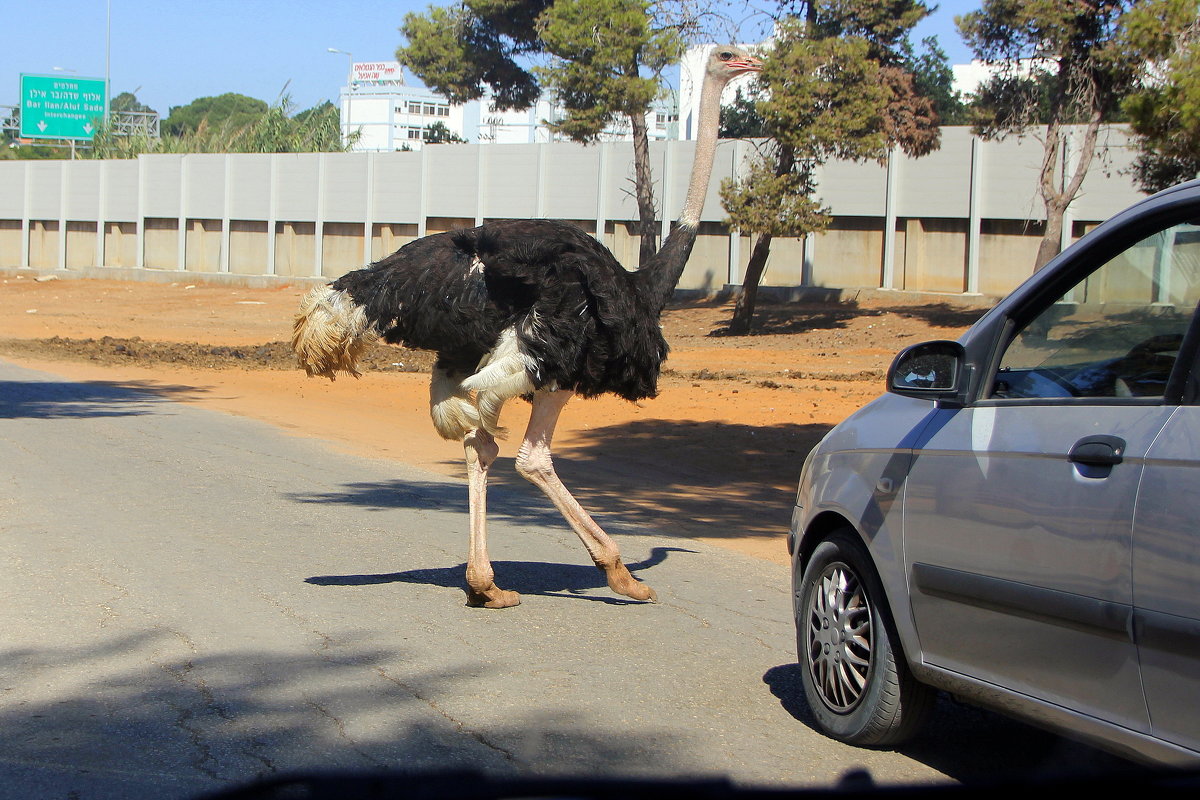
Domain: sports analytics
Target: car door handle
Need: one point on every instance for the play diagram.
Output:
(1100, 451)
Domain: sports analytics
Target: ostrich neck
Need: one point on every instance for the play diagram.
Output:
(708, 122)
(659, 276)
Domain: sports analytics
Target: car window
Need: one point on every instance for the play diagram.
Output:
(1114, 334)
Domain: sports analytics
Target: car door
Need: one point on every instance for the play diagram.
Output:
(1018, 509)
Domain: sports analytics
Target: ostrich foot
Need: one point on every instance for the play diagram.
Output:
(622, 582)
(492, 597)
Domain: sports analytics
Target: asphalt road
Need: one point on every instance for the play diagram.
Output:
(191, 601)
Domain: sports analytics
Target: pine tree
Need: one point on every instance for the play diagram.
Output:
(834, 85)
(1164, 110)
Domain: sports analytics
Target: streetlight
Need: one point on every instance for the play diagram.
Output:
(349, 89)
(107, 60)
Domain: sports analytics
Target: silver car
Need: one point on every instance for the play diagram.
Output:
(1015, 521)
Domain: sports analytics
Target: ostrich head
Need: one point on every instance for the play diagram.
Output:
(727, 61)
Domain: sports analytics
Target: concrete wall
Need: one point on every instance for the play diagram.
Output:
(965, 219)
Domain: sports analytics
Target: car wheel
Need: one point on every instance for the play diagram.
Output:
(853, 671)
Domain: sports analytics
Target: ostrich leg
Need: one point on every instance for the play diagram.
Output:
(481, 451)
(535, 465)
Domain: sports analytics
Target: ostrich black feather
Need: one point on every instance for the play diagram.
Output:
(577, 313)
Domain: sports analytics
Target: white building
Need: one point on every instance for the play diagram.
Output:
(387, 114)
(390, 115)
(529, 125)
(969, 77)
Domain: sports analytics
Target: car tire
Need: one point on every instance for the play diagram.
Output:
(853, 671)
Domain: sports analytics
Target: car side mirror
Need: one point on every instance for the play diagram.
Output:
(930, 371)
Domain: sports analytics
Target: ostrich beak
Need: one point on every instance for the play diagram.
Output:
(747, 64)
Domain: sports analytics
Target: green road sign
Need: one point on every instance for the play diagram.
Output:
(61, 106)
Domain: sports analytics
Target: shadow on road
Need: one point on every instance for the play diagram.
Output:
(675, 478)
(145, 715)
(511, 504)
(72, 400)
(525, 577)
(719, 480)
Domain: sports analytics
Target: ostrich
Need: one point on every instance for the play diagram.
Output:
(531, 308)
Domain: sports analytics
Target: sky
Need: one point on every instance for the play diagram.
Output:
(170, 53)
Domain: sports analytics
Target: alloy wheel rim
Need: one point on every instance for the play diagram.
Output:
(839, 638)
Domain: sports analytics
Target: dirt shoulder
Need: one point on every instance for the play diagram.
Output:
(715, 456)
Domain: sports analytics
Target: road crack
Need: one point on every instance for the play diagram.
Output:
(458, 724)
(188, 717)
(325, 650)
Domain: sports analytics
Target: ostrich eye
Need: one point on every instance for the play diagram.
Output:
(724, 55)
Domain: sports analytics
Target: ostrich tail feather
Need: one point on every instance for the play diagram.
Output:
(330, 333)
